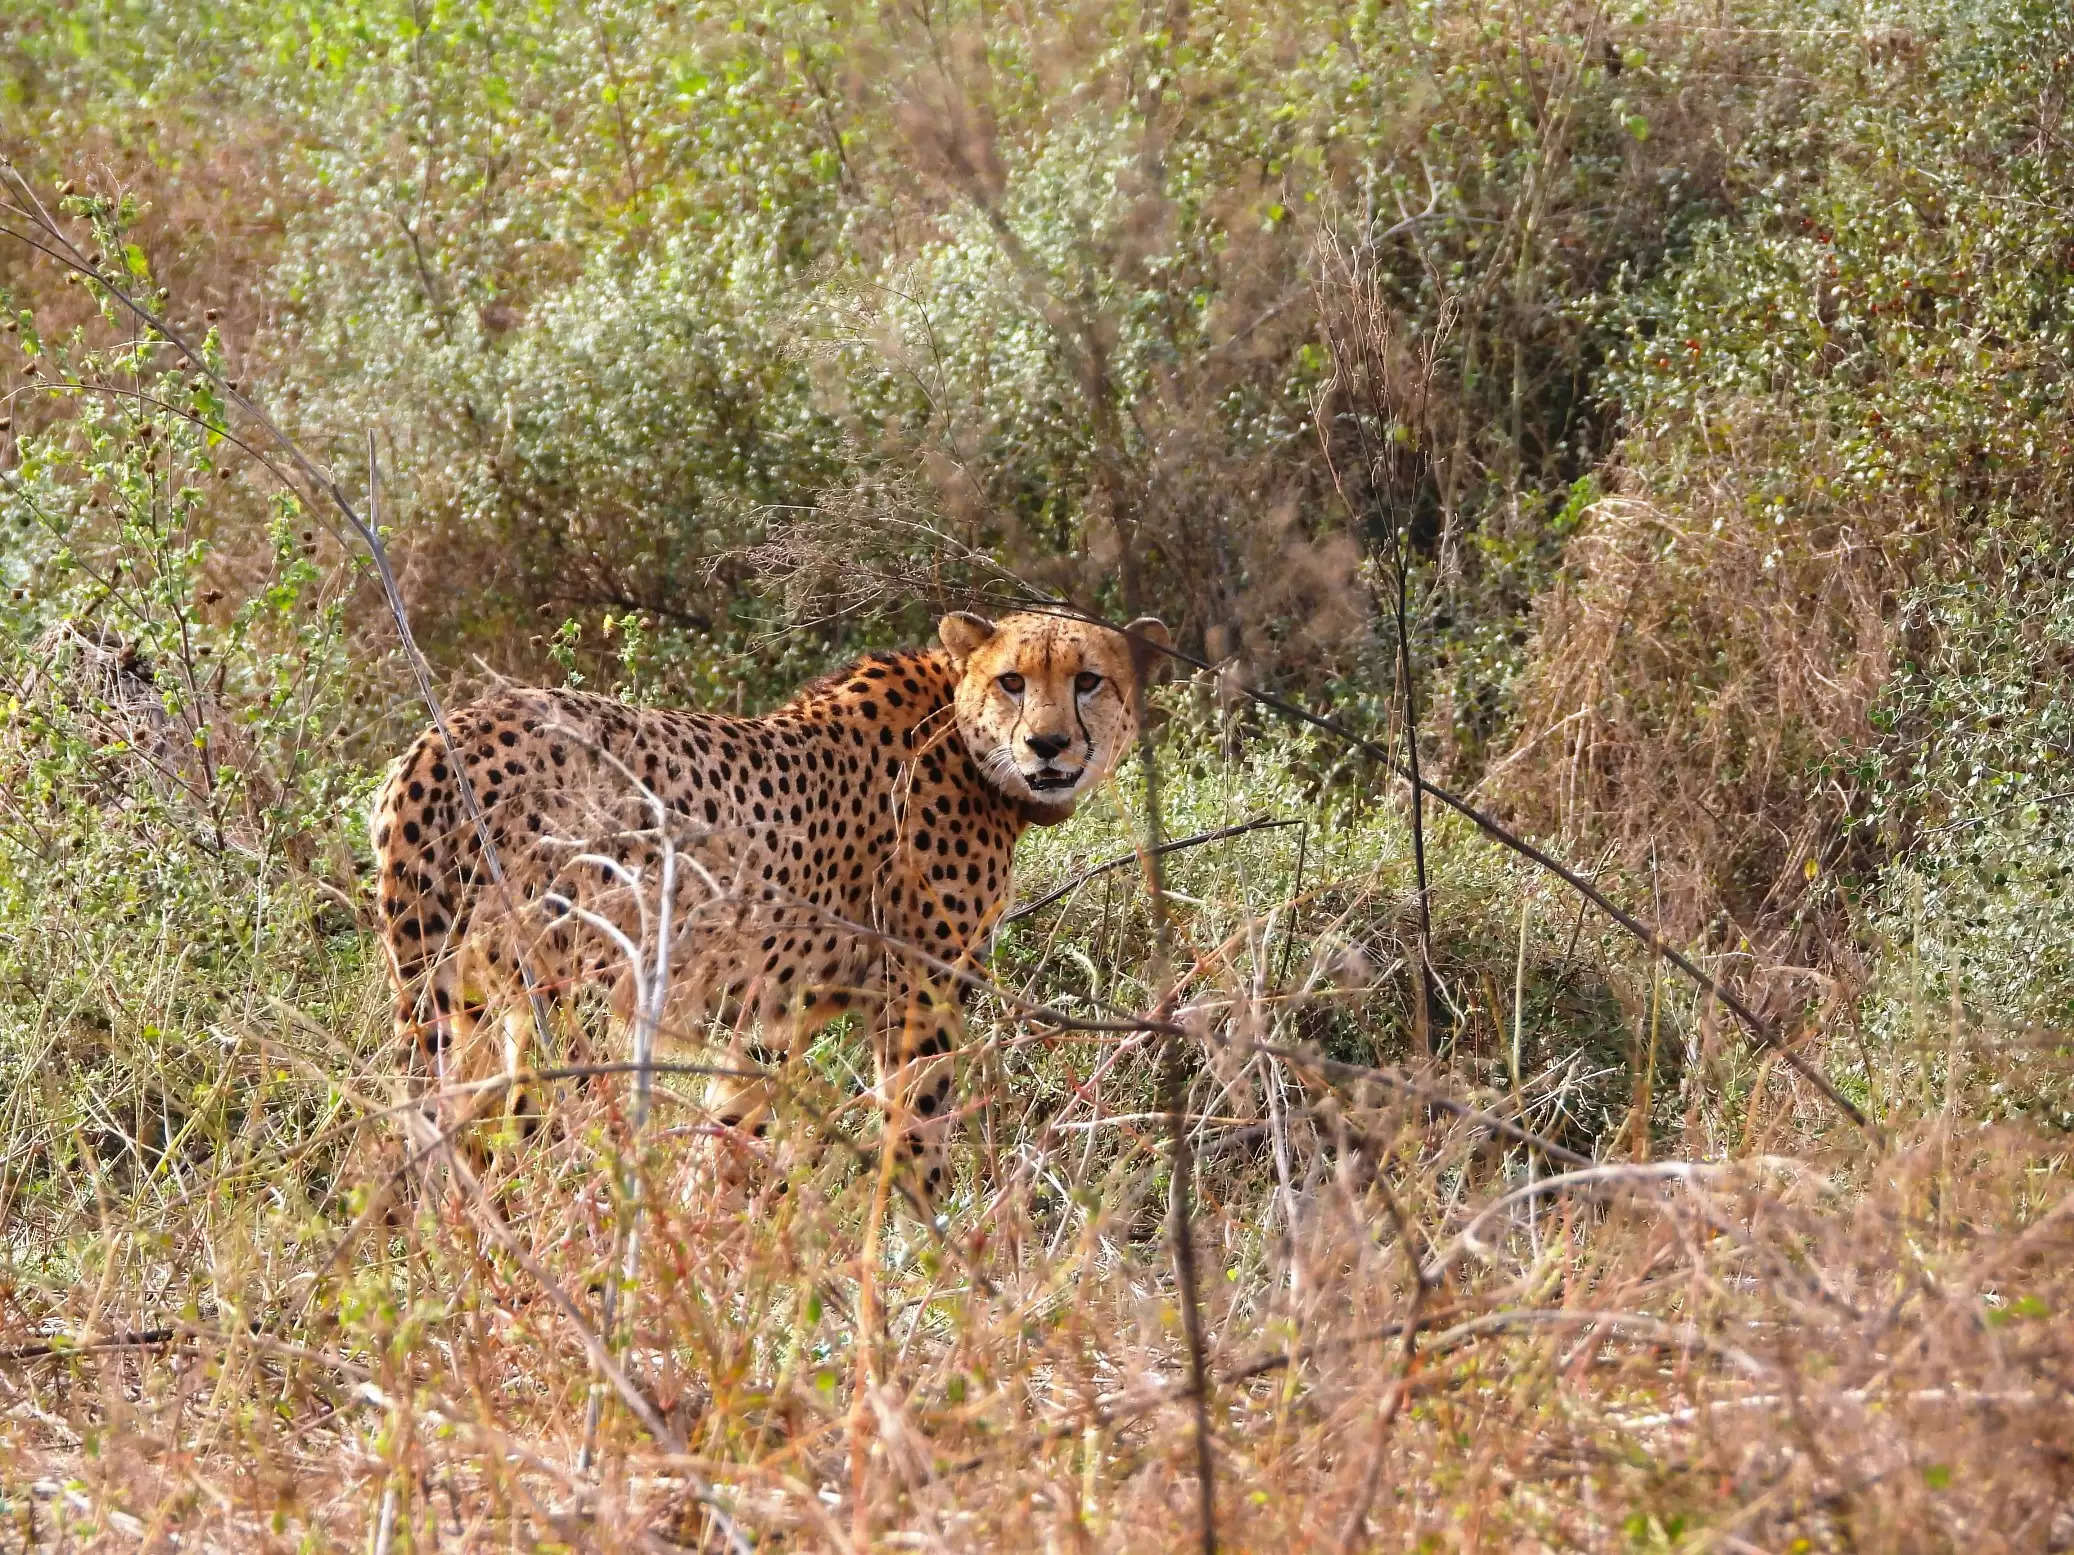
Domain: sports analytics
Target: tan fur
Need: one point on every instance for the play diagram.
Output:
(878, 809)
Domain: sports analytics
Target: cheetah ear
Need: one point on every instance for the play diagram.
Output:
(962, 633)
(1148, 635)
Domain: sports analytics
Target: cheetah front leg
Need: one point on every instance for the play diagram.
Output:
(741, 1098)
(914, 1051)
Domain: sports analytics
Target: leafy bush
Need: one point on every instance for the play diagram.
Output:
(621, 287)
(183, 769)
(1973, 917)
(1835, 411)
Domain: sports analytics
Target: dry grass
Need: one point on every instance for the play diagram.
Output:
(1692, 669)
(1803, 1337)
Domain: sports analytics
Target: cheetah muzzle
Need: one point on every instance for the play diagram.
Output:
(815, 852)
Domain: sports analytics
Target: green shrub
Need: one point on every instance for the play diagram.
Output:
(184, 759)
(1837, 411)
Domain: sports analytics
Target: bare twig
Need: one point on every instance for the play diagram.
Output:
(1400, 1384)
(1220, 834)
(1399, 402)
(1177, 1047)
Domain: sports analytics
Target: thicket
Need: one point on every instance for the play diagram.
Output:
(1658, 415)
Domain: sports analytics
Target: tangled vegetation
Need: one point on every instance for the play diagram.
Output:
(1652, 419)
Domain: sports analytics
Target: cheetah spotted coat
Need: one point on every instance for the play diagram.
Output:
(812, 846)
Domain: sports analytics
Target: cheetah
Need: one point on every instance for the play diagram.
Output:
(813, 852)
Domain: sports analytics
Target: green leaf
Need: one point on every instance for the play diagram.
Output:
(133, 256)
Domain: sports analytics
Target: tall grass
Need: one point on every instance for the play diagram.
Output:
(257, 1324)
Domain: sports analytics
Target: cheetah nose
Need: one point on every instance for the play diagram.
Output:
(1046, 746)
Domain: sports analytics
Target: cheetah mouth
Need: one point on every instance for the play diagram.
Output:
(1051, 782)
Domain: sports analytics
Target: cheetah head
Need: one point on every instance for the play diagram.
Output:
(1047, 704)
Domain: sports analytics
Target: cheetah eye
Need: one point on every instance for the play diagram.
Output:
(1086, 681)
(1012, 684)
